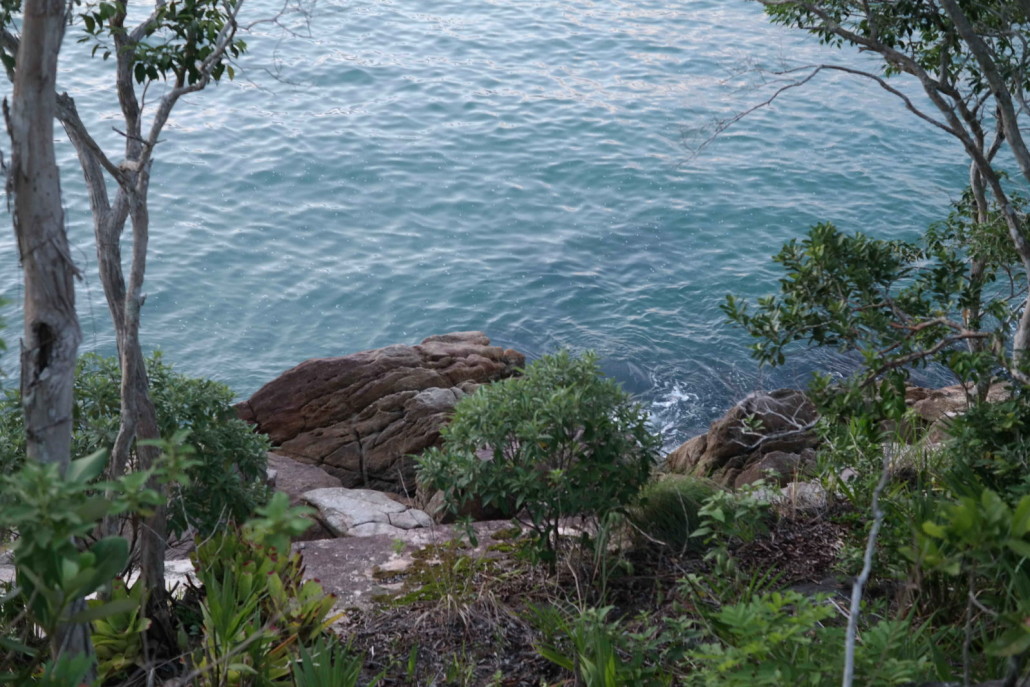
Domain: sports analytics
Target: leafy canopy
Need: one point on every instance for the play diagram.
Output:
(175, 42)
(917, 32)
(897, 304)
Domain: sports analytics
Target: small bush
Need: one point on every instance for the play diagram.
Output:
(560, 441)
(258, 613)
(990, 448)
(667, 510)
(228, 479)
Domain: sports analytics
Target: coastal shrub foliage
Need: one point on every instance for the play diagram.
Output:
(787, 638)
(257, 608)
(561, 440)
(950, 300)
(957, 535)
(57, 563)
(227, 480)
(667, 510)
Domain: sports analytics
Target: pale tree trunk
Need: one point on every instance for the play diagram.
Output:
(125, 295)
(138, 420)
(1008, 115)
(52, 334)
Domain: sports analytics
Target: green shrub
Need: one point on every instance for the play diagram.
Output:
(982, 544)
(227, 481)
(562, 441)
(56, 563)
(258, 612)
(990, 448)
(667, 510)
(328, 664)
(597, 649)
(118, 638)
(789, 639)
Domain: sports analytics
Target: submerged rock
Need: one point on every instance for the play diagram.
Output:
(361, 416)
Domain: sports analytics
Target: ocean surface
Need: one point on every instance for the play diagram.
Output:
(544, 171)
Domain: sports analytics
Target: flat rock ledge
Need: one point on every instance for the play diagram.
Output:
(351, 568)
(364, 513)
(361, 416)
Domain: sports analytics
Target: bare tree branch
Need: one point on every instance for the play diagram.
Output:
(863, 577)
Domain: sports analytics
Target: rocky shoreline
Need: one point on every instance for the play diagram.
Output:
(344, 429)
(361, 417)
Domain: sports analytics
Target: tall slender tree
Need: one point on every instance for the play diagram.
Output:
(51, 338)
(181, 46)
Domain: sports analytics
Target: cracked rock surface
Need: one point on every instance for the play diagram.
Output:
(360, 417)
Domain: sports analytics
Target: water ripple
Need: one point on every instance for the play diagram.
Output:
(515, 166)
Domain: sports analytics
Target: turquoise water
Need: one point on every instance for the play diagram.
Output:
(524, 168)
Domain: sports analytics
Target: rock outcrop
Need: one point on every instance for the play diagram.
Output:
(936, 407)
(360, 416)
(295, 479)
(768, 434)
(765, 431)
(364, 512)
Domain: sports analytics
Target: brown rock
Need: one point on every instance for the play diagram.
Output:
(934, 404)
(347, 567)
(294, 478)
(683, 459)
(763, 423)
(360, 416)
(778, 467)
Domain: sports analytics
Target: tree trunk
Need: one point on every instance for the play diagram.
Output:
(52, 334)
(139, 417)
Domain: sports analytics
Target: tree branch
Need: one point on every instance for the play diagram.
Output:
(863, 577)
(68, 115)
(226, 35)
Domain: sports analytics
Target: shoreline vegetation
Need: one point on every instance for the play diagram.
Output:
(771, 532)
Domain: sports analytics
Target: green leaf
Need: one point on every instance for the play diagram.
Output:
(14, 645)
(112, 554)
(93, 509)
(105, 610)
(1019, 546)
(88, 468)
(1012, 643)
(1021, 518)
